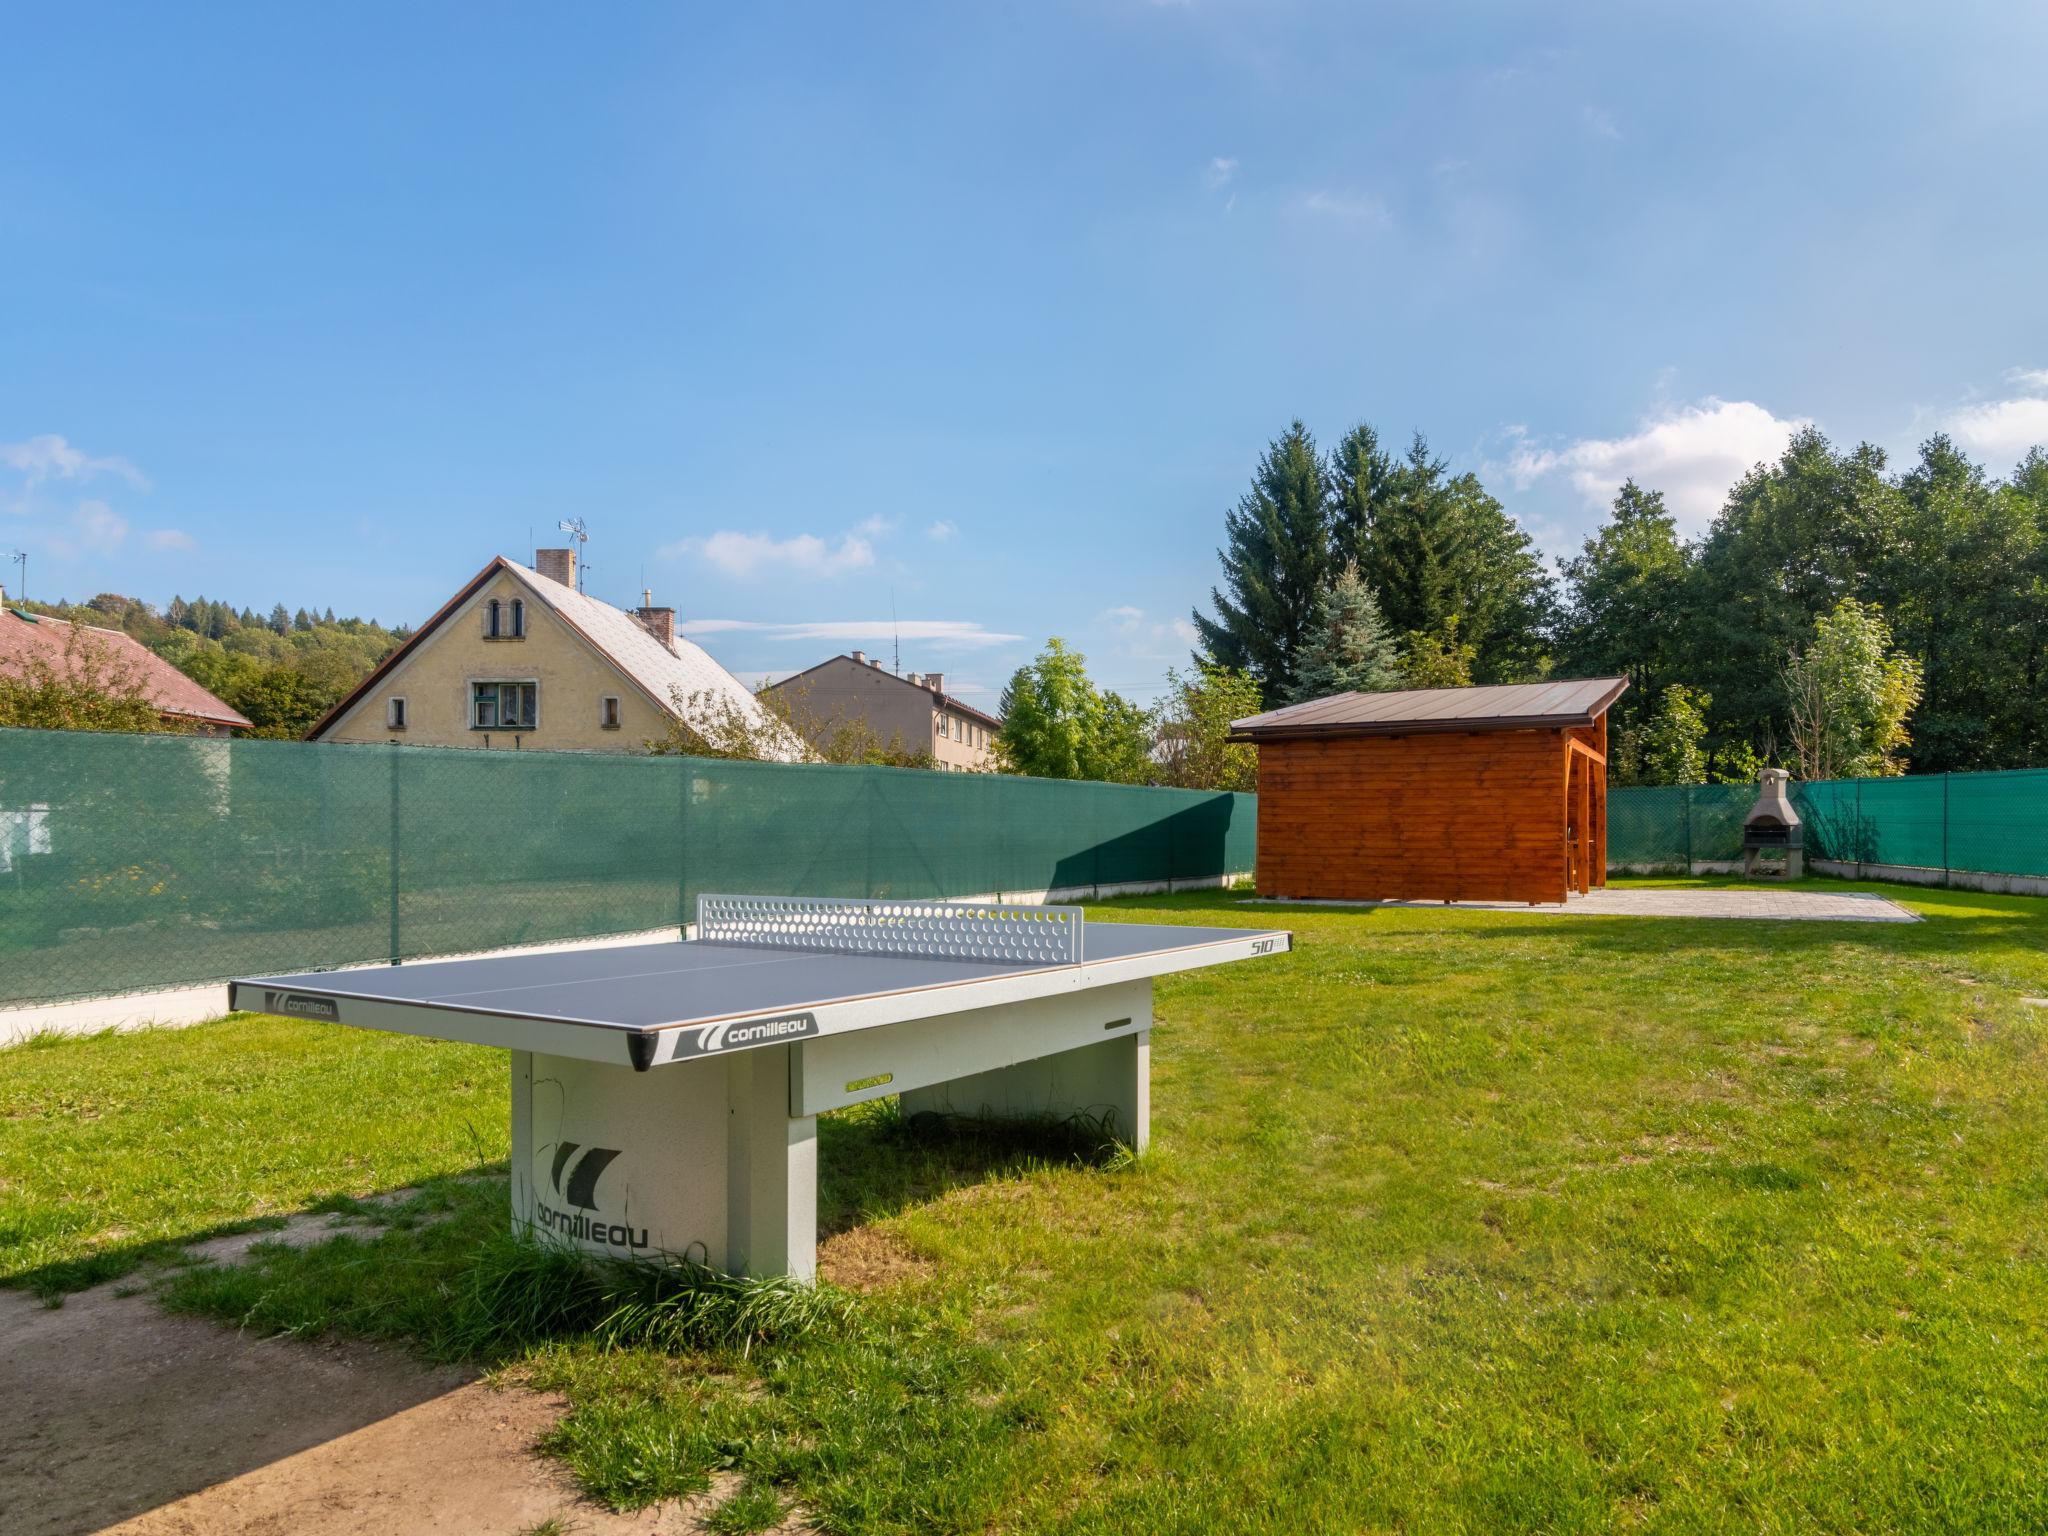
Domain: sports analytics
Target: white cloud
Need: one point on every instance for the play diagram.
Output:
(171, 538)
(1692, 454)
(1600, 122)
(1357, 208)
(1221, 172)
(1144, 637)
(878, 632)
(941, 531)
(2003, 430)
(47, 456)
(93, 529)
(743, 555)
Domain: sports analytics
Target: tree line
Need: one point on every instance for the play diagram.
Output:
(1836, 617)
(1912, 605)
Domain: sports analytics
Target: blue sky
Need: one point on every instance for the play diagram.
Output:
(988, 307)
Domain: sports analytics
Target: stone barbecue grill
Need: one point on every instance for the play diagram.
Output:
(1772, 826)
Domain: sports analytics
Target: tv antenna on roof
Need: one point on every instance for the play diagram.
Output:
(20, 558)
(895, 635)
(578, 530)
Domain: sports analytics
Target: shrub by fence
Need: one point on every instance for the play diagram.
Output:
(1976, 823)
(130, 862)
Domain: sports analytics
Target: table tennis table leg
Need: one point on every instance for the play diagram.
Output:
(1106, 1080)
(702, 1161)
(771, 1170)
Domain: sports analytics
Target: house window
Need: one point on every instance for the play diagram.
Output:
(943, 719)
(608, 712)
(504, 706)
(518, 618)
(492, 619)
(394, 714)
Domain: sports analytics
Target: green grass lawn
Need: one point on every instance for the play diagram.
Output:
(1453, 1222)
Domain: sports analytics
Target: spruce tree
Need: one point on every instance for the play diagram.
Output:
(1275, 561)
(1348, 648)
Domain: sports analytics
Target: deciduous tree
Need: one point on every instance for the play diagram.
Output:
(1192, 727)
(1058, 725)
(1849, 693)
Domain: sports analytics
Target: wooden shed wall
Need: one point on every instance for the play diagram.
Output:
(1476, 816)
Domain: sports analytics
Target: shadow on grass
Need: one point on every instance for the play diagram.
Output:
(149, 1260)
(874, 1163)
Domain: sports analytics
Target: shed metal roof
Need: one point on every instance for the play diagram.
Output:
(1413, 711)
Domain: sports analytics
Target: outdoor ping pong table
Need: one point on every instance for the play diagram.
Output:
(665, 1096)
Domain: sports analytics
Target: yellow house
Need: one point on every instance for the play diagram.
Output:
(520, 659)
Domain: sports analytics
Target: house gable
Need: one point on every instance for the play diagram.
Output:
(438, 670)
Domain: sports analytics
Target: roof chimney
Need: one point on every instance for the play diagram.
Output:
(860, 655)
(936, 681)
(658, 622)
(557, 565)
(917, 679)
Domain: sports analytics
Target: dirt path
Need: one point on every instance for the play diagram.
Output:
(122, 1417)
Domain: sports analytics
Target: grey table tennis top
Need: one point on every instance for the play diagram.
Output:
(650, 986)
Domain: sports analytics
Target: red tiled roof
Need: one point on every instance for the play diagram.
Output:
(171, 691)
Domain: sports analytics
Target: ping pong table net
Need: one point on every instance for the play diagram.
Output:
(934, 930)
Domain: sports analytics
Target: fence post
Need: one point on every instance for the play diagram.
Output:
(1172, 849)
(1859, 829)
(1944, 831)
(395, 750)
(683, 851)
(1687, 802)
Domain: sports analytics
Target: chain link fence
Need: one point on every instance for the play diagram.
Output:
(137, 862)
(1955, 823)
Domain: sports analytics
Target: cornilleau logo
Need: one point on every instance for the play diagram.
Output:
(575, 1180)
(297, 1005)
(581, 1190)
(732, 1034)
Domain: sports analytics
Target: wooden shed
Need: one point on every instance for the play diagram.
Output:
(1436, 794)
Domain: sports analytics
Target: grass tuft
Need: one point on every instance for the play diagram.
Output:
(521, 1291)
(753, 1509)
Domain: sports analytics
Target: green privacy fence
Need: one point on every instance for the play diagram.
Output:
(131, 862)
(1977, 823)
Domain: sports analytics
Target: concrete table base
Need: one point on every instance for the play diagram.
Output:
(716, 1160)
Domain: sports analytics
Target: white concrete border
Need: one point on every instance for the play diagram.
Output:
(1957, 879)
(1902, 874)
(1061, 893)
